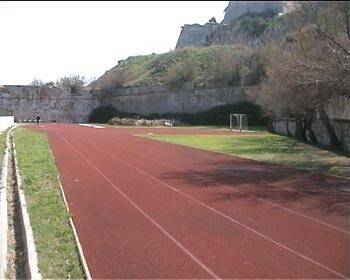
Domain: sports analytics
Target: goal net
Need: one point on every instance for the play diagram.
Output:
(239, 122)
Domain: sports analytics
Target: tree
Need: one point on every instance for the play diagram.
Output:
(37, 82)
(213, 20)
(74, 82)
(305, 73)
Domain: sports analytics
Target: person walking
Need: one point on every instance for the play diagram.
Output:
(38, 120)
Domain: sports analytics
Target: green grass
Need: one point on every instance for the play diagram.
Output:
(269, 148)
(195, 64)
(57, 252)
(257, 128)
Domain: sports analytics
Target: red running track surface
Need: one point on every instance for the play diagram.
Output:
(148, 209)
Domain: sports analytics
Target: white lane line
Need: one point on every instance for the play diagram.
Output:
(224, 215)
(193, 257)
(237, 190)
(91, 125)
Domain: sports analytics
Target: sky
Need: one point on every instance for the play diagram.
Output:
(48, 40)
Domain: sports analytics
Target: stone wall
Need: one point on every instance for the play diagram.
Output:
(339, 108)
(342, 129)
(161, 99)
(52, 104)
(196, 35)
(236, 9)
(224, 33)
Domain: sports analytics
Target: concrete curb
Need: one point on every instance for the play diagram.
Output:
(3, 211)
(32, 270)
(76, 237)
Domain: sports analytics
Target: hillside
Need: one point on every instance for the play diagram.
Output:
(232, 65)
(229, 53)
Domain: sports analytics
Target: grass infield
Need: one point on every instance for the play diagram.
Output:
(54, 240)
(269, 148)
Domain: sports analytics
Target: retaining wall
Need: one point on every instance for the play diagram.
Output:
(342, 129)
(52, 104)
(190, 98)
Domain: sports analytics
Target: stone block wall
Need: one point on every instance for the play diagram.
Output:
(162, 99)
(52, 104)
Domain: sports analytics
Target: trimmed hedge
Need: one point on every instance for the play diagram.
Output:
(215, 116)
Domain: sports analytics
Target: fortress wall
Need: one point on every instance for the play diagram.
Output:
(52, 104)
(161, 99)
(196, 35)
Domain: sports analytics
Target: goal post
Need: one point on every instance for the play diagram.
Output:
(238, 122)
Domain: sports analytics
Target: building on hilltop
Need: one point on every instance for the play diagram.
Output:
(226, 32)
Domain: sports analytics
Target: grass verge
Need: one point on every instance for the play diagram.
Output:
(269, 148)
(54, 240)
(258, 128)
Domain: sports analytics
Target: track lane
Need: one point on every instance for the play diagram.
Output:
(117, 241)
(317, 242)
(304, 271)
(186, 158)
(86, 151)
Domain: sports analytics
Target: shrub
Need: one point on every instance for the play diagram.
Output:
(102, 114)
(105, 113)
(218, 115)
(255, 27)
(179, 73)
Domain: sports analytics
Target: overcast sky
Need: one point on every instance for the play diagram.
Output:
(47, 40)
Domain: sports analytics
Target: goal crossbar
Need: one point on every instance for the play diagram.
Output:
(241, 120)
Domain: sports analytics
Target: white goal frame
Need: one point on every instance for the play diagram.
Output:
(239, 118)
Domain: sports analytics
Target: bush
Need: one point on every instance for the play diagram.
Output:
(105, 113)
(255, 27)
(74, 83)
(217, 116)
(179, 73)
(102, 114)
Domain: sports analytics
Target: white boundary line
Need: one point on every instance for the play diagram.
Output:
(91, 125)
(3, 210)
(165, 232)
(225, 216)
(32, 268)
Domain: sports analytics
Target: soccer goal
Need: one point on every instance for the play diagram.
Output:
(238, 122)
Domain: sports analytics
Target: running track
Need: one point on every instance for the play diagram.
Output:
(147, 209)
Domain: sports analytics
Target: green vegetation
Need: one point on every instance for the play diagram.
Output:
(5, 113)
(269, 148)
(57, 252)
(228, 65)
(215, 116)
